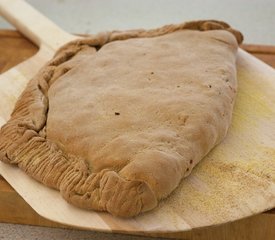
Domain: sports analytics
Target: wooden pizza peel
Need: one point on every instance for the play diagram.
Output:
(236, 180)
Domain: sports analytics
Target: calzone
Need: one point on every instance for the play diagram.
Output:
(116, 120)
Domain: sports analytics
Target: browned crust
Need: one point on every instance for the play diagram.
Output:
(23, 140)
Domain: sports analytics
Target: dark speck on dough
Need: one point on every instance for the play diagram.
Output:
(210, 86)
(87, 195)
(117, 113)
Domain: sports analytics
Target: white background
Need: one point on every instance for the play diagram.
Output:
(254, 18)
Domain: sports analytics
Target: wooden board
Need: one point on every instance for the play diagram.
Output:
(192, 204)
(242, 164)
(13, 209)
(14, 49)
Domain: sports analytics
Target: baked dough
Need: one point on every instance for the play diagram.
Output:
(115, 121)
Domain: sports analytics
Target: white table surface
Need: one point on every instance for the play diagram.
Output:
(254, 18)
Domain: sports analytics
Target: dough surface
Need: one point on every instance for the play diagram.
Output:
(115, 121)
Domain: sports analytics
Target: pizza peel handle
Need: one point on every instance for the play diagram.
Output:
(40, 30)
(33, 24)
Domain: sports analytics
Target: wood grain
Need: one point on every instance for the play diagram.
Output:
(14, 49)
(15, 210)
(38, 28)
(264, 53)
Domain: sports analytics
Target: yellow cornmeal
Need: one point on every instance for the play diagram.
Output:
(250, 105)
(238, 176)
(227, 186)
